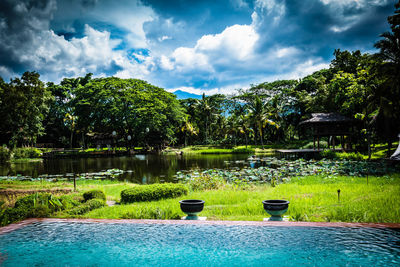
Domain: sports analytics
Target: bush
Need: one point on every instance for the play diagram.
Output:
(206, 181)
(152, 192)
(87, 206)
(5, 154)
(93, 194)
(11, 215)
(328, 154)
(69, 202)
(26, 152)
(35, 205)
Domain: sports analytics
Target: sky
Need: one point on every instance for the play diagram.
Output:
(211, 46)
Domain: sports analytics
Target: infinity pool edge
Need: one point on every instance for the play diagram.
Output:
(18, 225)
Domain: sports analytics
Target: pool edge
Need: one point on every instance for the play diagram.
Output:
(15, 226)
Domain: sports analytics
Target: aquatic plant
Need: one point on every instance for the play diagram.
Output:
(274, 170)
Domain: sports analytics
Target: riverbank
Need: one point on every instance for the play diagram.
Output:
(312, 198)
(378, 151)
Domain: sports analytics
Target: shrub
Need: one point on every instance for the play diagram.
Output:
(93, 194)
(35, 205)
(87, 206)
(69, 202)
(5, 154)
(206, 181)
(351, 156)
(152, 192)
(26, 152)
(11, 215)
(328, 154)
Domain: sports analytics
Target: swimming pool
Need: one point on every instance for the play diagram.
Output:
(132, 244)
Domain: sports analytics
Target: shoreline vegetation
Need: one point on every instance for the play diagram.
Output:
(312, 198)
(29, 154)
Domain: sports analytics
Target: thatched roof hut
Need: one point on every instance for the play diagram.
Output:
(329, 124)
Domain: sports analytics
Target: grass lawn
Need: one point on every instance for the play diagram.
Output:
(312, 198)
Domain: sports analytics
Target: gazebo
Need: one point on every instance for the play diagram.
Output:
(330, 125)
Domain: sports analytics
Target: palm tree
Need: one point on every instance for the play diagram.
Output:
(188, 129)
(260, 116)
(388, 110)
(70, 121)
(204, 108)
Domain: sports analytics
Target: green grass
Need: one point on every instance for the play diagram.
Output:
(111, 188)
(312, 198)
(379, 151)
(226, 150)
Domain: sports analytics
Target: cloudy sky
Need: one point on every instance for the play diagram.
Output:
(194, 45)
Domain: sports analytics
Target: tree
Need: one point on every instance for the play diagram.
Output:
(25, 103)
(260, 116)
(388, 114)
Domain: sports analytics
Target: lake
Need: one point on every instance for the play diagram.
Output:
(141, 169)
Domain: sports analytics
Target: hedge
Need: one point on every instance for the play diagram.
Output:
(92, 194)
(87, 206)
(152, 192)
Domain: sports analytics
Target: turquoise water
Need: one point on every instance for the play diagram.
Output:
(98, 244)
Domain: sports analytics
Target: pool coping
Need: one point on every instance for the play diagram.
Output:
(18, 225)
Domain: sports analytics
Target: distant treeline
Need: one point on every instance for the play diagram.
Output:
(85, 111)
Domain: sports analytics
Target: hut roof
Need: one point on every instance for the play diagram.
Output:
(327, 118)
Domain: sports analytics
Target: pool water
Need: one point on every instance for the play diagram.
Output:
(120, 244)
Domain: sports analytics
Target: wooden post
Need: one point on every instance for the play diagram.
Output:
(333, 143)
(314, 142)
(338, 195)
(318, 141)
(342, 142)
(74, 182)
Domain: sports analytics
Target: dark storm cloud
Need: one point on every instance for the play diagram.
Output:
(185, 43)
(320, 28)
(20, 21)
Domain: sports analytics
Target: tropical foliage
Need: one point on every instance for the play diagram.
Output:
(86, 112)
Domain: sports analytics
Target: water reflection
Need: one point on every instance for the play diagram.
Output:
(139, 168)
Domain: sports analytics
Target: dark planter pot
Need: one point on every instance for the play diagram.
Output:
(276, 208)
(192, 207)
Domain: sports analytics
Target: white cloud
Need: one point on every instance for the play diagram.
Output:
(164, 37)
(6, 73)
(287, 52)
(235, 44)
(165, 63)
(274, 8)
(300, 70)
(128, 16)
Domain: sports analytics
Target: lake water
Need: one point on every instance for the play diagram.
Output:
(139, 168)
(120, 244)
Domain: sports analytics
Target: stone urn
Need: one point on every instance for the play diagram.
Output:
(276, 208)
(192, 207)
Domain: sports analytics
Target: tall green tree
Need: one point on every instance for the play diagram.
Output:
(24, 105)
(388, 112)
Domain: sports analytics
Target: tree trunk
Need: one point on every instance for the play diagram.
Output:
(389, 148)
(369, 145)
(261, 137)
(70, 139)
(83, 140)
